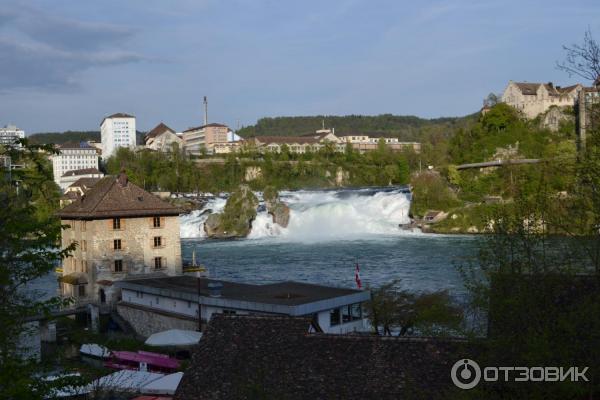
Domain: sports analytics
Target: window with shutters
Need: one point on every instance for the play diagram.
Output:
(116, 222)
(157, 262)
(156, 222)
(118, 265)
(157, 241)
(117, 244)
(81, 290)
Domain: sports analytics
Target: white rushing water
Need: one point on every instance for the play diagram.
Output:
(321, 215)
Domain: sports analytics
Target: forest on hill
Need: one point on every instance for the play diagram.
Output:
(405, 127)
(72, 136)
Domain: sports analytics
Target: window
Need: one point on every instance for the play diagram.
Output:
(157, 300)
(156, 222)
(83, 245)
(346, 314)
(117, 244)
(157, 241)
(355, 311)
(83, 223)
(116, 223)
(229, 312)
(118, 265)
(334, 317)
(81, 290)
(157, 262)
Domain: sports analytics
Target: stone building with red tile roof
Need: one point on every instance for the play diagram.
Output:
(121, 231)
(533, 99)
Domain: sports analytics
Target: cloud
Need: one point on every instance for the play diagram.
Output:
(41, 51)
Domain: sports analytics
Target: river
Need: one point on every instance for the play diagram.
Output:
(329, 232)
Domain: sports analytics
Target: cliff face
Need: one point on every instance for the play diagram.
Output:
(236, 219)
(277, 209)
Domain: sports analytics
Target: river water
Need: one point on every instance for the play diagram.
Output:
(329, 232)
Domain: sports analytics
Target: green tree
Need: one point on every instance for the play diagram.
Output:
(28, 237)
(432, 313)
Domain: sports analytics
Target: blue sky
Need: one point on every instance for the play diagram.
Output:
(66, 64)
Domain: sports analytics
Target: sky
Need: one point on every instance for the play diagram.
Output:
(65, 64)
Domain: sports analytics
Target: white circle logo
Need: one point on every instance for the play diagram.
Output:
(465, 374)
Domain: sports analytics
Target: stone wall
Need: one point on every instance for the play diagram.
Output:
(95, 254)
(146, 322)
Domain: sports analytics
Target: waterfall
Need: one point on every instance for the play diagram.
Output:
(322, 215)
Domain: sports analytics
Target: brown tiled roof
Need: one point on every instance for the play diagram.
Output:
(85, 183)
(207, 125)
(76, 145)
(531, 88)
(84, 171)
(528, 88)
(158, 130)
(277, 357)
(117, 197)
(286, 139)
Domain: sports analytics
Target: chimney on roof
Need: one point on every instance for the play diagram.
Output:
(122, 179)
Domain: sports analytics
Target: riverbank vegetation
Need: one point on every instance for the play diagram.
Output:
(175, 171)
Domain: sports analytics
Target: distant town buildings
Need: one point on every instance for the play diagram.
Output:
(10, 134)
(368, 142)
(117, 130)
(77, 190)
(161, 138)
(70, 177)
(315, 141)
(121, 231)
(533, 99)
(150, 305)
(203, 139)
(73, 156)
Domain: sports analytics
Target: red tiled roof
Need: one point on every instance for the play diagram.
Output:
(279, 356)
(117, 197)
(285, 139)
(158, 130)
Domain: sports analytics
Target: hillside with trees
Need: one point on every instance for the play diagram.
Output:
(407, 128)
(72, 136)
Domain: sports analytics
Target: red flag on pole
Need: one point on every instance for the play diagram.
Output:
(357, 276)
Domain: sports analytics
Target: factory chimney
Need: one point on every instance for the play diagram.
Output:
(205, 111)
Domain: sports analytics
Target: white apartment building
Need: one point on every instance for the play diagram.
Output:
(10, 133)
(73, 156)
(117, 130)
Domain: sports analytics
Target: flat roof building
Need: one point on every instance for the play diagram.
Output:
(155, 304)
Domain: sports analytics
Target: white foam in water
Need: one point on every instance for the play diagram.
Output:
(192, 224)
(321, 215)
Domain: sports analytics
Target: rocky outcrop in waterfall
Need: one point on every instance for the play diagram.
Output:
(236, 219)
(277, 209)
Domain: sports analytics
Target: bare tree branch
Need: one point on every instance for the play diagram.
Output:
(582, 60)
